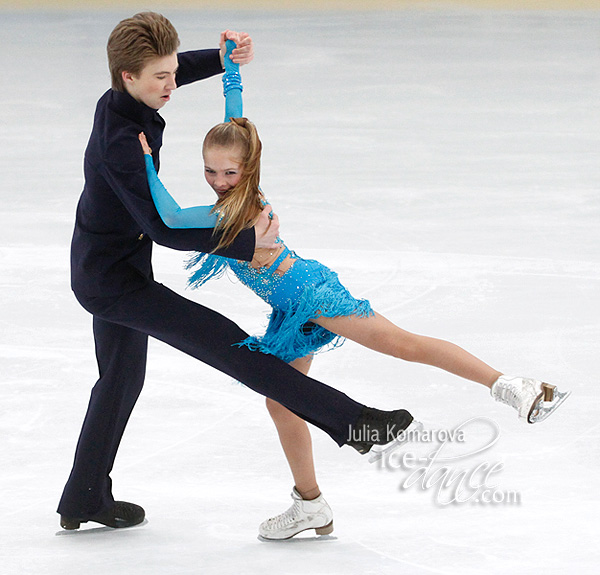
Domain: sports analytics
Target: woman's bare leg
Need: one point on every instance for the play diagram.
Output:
(380, 334)
(295, 439)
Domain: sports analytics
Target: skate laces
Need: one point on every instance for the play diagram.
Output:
(507, 391)
(286, 518)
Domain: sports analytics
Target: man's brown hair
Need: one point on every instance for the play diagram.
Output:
(135, 41)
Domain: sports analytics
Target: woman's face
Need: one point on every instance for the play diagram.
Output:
(222, 168)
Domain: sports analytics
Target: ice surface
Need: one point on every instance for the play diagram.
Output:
(446, 163)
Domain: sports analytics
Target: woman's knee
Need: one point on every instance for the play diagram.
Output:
(275, 409)
(407, 346)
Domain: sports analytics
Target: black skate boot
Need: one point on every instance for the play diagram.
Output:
(121, 514)
(377, 427)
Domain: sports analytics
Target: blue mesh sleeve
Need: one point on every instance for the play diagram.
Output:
(232, 85)
(168, 209)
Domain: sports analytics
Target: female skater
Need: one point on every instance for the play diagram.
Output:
(311, 310)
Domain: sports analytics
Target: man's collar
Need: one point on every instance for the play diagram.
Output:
(126, 104)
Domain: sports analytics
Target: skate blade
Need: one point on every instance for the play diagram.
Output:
(321, 534)
(378, 451)
(544, 409)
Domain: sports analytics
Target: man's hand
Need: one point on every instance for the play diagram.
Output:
(266, 229)
(244, 52)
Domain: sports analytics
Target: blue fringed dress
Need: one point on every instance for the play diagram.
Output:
(307, 290)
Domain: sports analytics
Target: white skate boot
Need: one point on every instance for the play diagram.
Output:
(302, 515)
(533, 400)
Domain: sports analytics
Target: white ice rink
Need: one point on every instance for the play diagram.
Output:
(447, 164)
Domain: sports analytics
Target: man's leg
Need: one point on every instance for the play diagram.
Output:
(212, 338)
(121, 354)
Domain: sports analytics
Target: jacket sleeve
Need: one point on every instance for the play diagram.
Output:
(124, 170)
(197, 65)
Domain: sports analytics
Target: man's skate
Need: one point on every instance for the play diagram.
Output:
(534, 400)
(379, 432)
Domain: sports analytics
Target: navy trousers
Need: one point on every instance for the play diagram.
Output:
(121, 329)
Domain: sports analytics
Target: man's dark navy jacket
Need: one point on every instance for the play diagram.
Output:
(116, 218)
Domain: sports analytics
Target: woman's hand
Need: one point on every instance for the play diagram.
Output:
(147, 149)
(244, 51)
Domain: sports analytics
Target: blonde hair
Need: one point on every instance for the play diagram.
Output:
(135, 41)
(240, 207)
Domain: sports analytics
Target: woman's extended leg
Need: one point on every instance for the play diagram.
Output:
(380, 334)
(533, 400)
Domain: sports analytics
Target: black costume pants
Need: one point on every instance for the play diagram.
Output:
(121, 329)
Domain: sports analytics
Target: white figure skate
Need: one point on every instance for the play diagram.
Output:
(302, 515)
(534, 400)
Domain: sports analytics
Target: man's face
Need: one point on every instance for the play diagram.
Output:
(154, 84)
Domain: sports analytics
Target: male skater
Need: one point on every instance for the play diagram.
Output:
(111, 276)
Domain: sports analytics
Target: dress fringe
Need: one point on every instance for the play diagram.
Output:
(290, 334)
(207, 267)
(306, 291)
